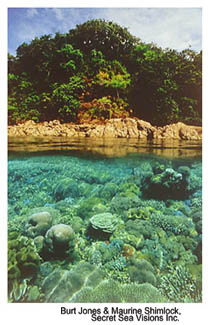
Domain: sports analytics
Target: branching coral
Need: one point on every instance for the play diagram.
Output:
(179, 285)
(178, 225)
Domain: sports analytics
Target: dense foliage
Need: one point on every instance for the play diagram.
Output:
(99, 70)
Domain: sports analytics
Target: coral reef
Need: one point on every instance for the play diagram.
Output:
(94, 229)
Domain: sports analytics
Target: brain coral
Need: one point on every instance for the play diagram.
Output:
(38, 223)
(59, 239)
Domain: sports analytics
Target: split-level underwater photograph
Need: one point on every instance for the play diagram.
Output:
(104, 155)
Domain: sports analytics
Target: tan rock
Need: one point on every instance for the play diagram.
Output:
(188, 133)
(113, 128)
(109, 131)
(96, 132)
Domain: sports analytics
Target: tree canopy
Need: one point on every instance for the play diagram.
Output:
(99, 70)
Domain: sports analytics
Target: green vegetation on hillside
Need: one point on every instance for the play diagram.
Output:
(99, 70)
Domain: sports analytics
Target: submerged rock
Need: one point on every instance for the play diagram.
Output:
(39, 243)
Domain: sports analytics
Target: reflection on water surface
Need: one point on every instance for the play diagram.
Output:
(108, 147)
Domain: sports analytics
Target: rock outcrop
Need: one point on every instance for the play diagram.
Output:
(113, 128)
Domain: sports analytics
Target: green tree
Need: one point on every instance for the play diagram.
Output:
(66, 97)
(100, 68)
(108, 37)
(114, 78)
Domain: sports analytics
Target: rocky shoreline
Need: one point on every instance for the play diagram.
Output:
(113, 128)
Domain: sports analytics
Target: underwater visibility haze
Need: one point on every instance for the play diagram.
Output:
(116, 227)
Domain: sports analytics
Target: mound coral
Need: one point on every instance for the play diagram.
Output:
(38, 223)
(141, 271)
(59, 240)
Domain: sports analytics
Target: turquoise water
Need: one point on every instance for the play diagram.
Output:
(132, 227)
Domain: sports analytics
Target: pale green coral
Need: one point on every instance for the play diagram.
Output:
(63, 285)
(23, 259)
(111, 291)
(141, 271)
(102, 225)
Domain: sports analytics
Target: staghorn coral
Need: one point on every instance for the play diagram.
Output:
(179, 285)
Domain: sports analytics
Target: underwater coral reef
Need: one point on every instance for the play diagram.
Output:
(85, 228)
